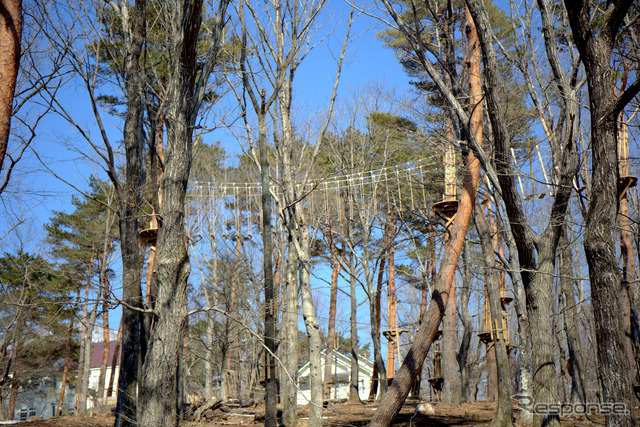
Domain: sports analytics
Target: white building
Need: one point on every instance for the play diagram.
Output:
(340, 376)
(39, 398)
(97, 350)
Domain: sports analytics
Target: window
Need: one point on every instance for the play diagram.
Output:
(32, 412)
(23, 414)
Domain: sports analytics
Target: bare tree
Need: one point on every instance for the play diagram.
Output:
(161, 378)
(595, 41)
(10, 44)
(504, 412)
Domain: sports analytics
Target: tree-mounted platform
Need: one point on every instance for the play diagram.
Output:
(149, 226)
(625, 183)
(446, 209)
(485, 337)
(504, 298)
(392, 333)
(436, 383)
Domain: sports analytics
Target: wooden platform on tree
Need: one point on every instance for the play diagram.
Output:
(391, 333)
(149, 226)
(436, 382)
(625, 183)
(506, 300)
(446, 209)
(485, 337)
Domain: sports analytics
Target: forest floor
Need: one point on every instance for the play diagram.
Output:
(340, 414)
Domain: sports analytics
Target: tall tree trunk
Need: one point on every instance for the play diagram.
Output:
(392, 402)
(13, 394)
(211, 322)
(607, 295)
(379, 377)
(354, 393)
(374, 307)
(504, 412)
(428, 274)
(536, 255)
(233, 352)
(114, 361)
(569, 316)
(491, 363)
(271, 398)
(336, 264)
(374, 318)
(452, 387)
(80, 379)
(129, 199)
(10, 43)
(105, 339)
(313, 331)
(626, 246)
(391, 296)
(86, 366)
(465, 343)
(159, 397)
(524, 338)
(65, 371)
(290, 330)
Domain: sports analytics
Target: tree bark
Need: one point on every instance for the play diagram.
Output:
(13, 394)
(65, 371)
(394, 399)
(391, 296)
(105, 337)
(452, 387)
(467, 324)
(375, 308)
(83, 331)
(537, 273)
(313, 330)
(607, 295)
(290, 330)
(211, 322)
(504, 412)
(491, 363)
(524, 338)
(129, 199)
(271, 398)
(626, 247)
(114, 361)
(569, 316)
(86, 365)
(354, 393)
(10, 43)
(159, 397)
(336, 264)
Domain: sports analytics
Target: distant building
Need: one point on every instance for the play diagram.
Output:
(340, 377)
(97, 350)
(39, 398)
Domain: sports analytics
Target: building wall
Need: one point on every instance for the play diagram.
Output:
(341, 373)
(94, 375)
(339, 391)
(40, 399)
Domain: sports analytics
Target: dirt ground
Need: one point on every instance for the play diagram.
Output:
(339, 414)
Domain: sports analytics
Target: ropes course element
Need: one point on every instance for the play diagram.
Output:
(387, 173)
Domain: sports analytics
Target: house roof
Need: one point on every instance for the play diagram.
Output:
(97, 350)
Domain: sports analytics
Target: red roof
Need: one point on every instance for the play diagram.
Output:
(97, 349)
